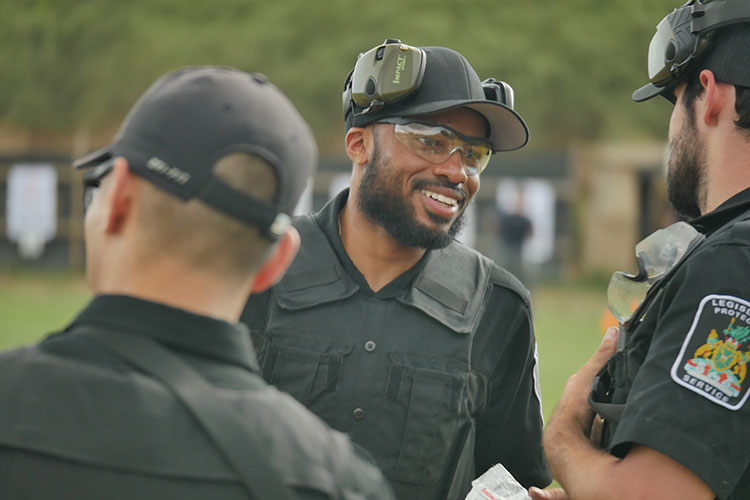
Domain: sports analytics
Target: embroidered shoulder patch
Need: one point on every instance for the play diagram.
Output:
(716, 351)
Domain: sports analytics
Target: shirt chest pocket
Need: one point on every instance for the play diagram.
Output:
(427, 401)
(297, 364)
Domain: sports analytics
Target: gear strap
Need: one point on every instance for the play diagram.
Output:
(230, 433)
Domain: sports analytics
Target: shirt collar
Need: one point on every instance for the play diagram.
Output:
(731, 208)
(177, 328)
(328, 220)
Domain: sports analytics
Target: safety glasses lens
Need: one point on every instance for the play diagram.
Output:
(661, 250)
(656, 255)
(659, 57)
(624, 295)
(436, 144)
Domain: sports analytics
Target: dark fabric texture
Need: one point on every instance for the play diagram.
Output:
(669, 410)
(77, 422)
(439, 362)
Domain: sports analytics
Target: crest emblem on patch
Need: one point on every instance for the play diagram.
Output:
(716, 352)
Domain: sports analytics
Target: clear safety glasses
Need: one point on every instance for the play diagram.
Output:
(435, 143)
(656, 255)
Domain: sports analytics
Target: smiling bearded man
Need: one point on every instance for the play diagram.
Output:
(386, 327)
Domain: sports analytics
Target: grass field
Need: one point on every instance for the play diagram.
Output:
(566, 318)
(34, 304)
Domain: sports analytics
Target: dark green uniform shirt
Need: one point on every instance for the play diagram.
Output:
(78, 423)
(687, 359)
(435, 374)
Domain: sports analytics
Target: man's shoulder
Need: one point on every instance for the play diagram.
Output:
(737, 233)
(14, 360)
(504, 280)
(499, 277)
(728, 246)
(91, 399)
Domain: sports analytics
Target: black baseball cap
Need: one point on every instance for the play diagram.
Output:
(450, 82)
(191, 118)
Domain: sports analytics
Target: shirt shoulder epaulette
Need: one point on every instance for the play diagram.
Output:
(502, 278)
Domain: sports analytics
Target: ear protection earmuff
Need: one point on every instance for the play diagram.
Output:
(383, 75)
(495, 90)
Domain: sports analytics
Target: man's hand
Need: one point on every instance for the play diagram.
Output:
(551, 494)
(588, 473)
(572, 420)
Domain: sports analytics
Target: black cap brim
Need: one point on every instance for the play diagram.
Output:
(93, 159)
(508, 131)
(647, 92)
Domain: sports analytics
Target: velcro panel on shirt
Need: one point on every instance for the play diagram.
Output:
(315, 276)
(452, 287)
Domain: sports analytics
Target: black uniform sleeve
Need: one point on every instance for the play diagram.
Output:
(509, 427)
(688, 399)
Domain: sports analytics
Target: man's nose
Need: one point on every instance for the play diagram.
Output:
(453, 168)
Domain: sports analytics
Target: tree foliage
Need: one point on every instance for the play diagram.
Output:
(573, 63)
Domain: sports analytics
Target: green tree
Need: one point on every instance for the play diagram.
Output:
(68, 64)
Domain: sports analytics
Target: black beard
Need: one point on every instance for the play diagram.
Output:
(686, 171)
(381, 205)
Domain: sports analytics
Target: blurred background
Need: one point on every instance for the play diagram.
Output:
(562, 214)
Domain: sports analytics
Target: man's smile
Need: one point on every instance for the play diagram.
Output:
(451, 202)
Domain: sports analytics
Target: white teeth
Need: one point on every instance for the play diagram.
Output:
(439, 197)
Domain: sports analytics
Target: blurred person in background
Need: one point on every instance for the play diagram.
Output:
(515, 229)
(672, 389)
(419, 348)
(185, 214)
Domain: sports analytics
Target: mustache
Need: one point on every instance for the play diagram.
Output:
(457, 189)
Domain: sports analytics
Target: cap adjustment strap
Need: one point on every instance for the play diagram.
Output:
(271, 221)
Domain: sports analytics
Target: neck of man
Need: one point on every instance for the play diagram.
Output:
(171, 282)
(728, 164)
(373, 251)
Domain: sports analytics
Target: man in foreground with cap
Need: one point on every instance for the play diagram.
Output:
(153, 391)
(673, 395)
(419, 348)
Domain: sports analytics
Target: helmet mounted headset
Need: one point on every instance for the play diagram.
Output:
(682, 42)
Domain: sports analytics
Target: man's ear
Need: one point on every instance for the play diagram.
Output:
(717, 97)
(277, 263)
(358, 142)
(120, 193)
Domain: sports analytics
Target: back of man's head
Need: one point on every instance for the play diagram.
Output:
(729, 61)
(201, 236)
(223, 157)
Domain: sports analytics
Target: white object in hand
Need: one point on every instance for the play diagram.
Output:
(497, 484)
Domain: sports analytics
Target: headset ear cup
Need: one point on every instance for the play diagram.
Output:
(382, 76)
(498, 91)
(670, 52)
(371, 87)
